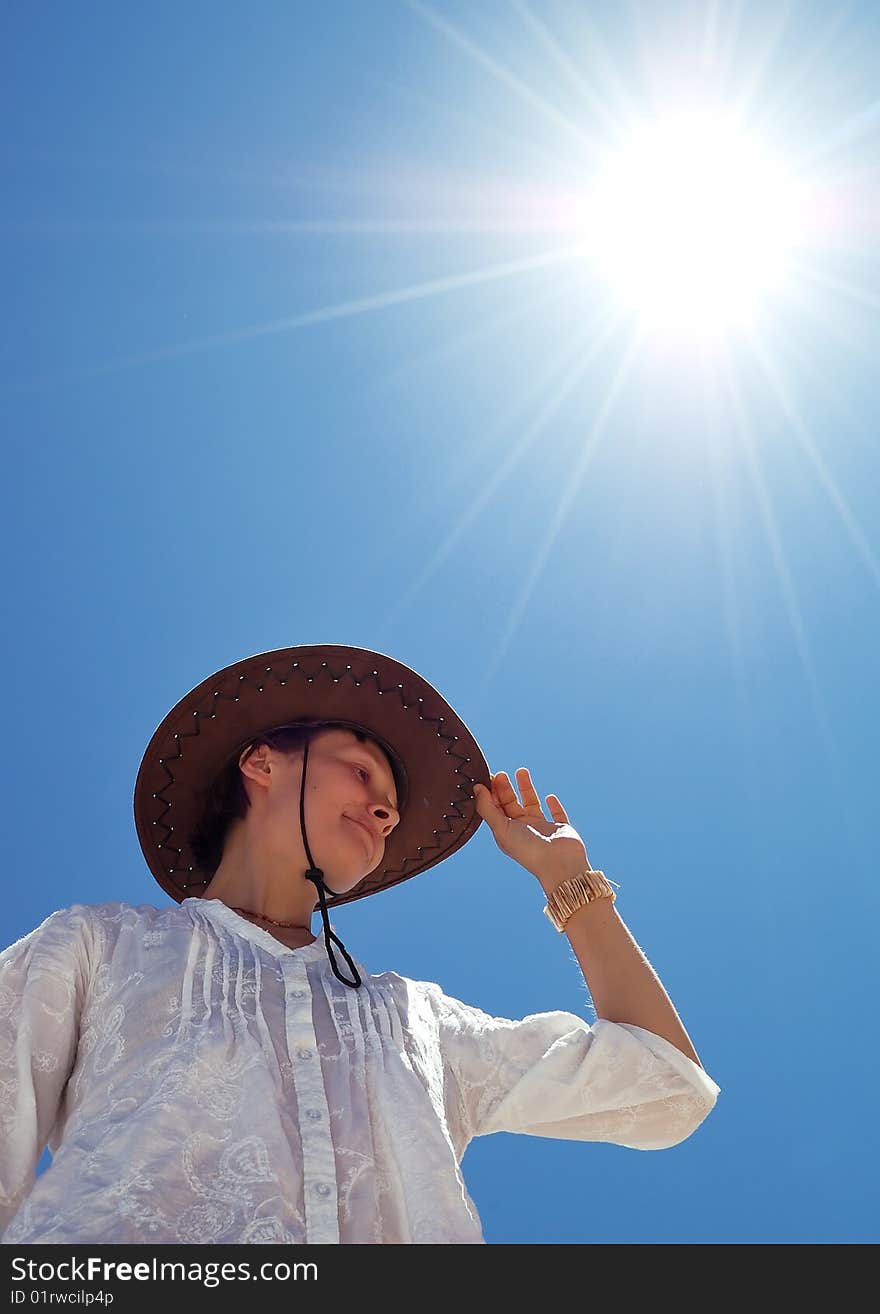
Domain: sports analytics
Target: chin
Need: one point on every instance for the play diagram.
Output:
(343, 884)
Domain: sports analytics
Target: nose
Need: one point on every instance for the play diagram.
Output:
(386, 818)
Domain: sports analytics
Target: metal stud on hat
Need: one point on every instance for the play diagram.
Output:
(436, 756)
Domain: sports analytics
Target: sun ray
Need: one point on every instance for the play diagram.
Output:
(672, 64)
(543, 149)
(309, 178)
(709, 34)
(725, 537)
(498, 71)
(761, 59)
(743, 430)
(726, 34)
(570, 492)
(344, 310)
(853, 341)
(782, 94)
(281, 227)
(857, 125)
(565, 63)
(805, 440)
(475, 335)
(787, 588)
(541, 380)
(839, 285)
(591, 51)
(573, 367)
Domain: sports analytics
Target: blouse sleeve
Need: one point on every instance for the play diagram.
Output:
(554, 1074)
(43, 980)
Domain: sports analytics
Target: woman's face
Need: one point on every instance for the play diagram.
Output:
(350, 805)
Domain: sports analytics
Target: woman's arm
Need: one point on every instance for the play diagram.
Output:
(621, 981)
(622, 984)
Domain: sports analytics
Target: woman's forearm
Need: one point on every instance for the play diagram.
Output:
(622, 984)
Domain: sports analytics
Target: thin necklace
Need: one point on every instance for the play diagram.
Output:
(287, 925)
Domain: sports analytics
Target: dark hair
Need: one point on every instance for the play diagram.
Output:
(227, 798)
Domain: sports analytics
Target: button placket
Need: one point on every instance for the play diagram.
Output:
(319, 1162)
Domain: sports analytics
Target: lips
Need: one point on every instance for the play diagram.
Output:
(362, 827)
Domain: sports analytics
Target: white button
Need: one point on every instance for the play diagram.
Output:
(304, 1053)
(323, 1189)
(313, 1113)
(298, 994)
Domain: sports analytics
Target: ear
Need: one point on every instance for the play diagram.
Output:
(256, 766)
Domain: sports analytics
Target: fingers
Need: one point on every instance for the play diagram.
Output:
(502, 795)
(505, 794)
(503, 791)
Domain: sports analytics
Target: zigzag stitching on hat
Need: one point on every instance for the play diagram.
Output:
(185, 734)
(396, 689)
(180, 735)
(400, 871)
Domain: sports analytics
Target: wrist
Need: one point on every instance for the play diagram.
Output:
(550, 881)
(569, 896)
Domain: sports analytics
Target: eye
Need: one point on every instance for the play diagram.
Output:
(365, 771)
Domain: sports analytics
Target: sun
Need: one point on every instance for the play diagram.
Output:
(692, 224)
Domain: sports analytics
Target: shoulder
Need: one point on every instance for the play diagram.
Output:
(404, 986)
(454, 1018)
(64, 925)
(428, 998)
(92, 925)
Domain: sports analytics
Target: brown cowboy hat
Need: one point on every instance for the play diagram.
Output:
(435, 756)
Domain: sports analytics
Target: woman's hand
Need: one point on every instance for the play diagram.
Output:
(551, 850)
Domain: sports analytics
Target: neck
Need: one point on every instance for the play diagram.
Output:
(274, 898)
(262, 916)
(291, 935)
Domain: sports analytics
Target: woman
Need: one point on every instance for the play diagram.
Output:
(206, 1072)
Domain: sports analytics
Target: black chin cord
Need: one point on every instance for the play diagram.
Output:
(315, 875)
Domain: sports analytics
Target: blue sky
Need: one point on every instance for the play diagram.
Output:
(304, 343)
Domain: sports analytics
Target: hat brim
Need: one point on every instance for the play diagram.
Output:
(393, 703)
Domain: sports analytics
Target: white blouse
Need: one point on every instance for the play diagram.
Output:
(199, 1082)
